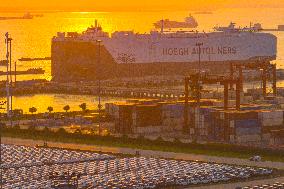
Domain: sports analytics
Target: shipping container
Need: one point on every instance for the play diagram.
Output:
(148, 115)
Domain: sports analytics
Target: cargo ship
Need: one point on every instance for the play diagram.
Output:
(24, 59)
(95, 54)
(25, 16)
(31, 71)
(189, 22)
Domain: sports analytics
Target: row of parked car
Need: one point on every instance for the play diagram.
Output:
(22, 156)
(105, 171)
(276, 185)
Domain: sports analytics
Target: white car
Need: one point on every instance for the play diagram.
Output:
(255, 158)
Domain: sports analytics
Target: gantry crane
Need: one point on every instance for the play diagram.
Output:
(195, 82)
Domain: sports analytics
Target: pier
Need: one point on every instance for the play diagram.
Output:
(142, 93)
(24, 88)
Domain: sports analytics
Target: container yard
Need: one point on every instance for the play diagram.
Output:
(235, 116)
(253, 124)
(30, 167)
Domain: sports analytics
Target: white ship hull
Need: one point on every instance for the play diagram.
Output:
(129, 54)
(233, 47)
(164, 48)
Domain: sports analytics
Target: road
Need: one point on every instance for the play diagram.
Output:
(242, 184)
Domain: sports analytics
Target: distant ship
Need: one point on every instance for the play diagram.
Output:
(33, 59)
(190, 22)
(204, 12)
(30, 71)
(3, 62)
(25, 16)
(232, 28)
(38, 15)
(28, 16)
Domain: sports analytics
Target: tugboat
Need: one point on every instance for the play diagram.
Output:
(25, 16)
(3, 62)
(28, 16)
(189, 22)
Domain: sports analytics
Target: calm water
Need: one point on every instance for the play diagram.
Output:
(32, 38)
(58, 101)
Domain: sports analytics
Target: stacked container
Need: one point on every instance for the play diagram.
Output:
(146, 116)
(123, 118)
(172, 116)
(271, 117)
(244, 127)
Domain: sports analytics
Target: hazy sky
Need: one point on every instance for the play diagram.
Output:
(128, 5)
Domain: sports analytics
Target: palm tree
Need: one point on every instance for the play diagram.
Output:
(32, 110)
(50, 109)
(83, 106)
(18, 114)
(66, 108)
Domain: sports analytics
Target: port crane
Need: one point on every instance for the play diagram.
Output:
(194, 83)
(267, 69)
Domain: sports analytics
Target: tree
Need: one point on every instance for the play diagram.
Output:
(66, 108)
(18, 114)
(46, 130)
(32, 110)
(78, 132)
(50, 109)
(61, 131)
(83, 106)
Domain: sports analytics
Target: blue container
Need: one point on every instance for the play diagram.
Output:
(249, 123)
(248, 131)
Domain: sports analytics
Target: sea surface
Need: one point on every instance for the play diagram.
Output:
(32, 38)
(58, 101)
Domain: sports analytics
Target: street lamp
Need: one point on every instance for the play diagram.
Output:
(198, 85)
(199, 69)
(199, 55)
(99, 81)
(9, 81)
(2, 103)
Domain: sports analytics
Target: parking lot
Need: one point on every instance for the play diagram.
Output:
(30, 167)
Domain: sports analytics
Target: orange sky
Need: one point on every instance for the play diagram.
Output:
(128, 5)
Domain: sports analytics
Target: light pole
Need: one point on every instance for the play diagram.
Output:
(198, 86)
(99, 82)
(199, 69)
(9, 81)
(15, 74)
(7, 73)
(2, 103)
